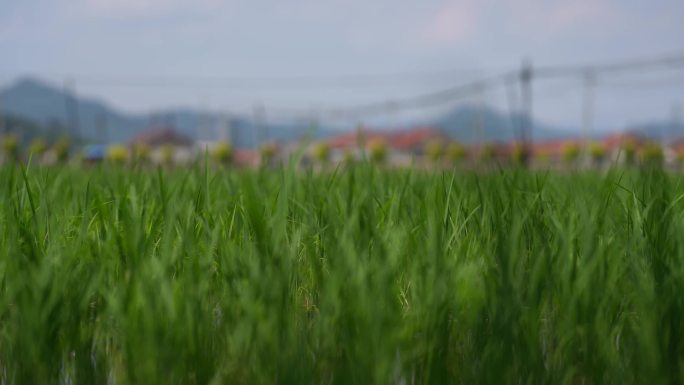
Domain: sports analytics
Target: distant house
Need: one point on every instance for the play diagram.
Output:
(350, 145)
(403, 145)
(414, 141)
(618, 146)
(165, 145)
(409, 145)
(93, 154)
(246, 158)
(494, 151)
(553, 152)
(674, 154)
(241, 157)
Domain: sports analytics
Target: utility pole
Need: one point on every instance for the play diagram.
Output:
(676, 121)
(3, 127)
(101, 124)
(226, 132)
(171, 119)
(479, 118)
(588, 109)
(71, 108)
(204, 121)
(260, 124)
(392, 112)
(233, 130)
(513, 109)
(314, 124)
(526, 74)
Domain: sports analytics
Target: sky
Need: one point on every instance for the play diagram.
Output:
(231, 55)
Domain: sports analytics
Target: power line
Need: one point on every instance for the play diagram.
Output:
(472, 87)
(293, 82)
(354, 80)
(439, 97)
(641, 84)
(642, 64)
(421, 101)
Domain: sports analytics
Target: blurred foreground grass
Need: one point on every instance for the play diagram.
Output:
(360, 276)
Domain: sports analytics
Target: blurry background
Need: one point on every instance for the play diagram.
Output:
(250, 71)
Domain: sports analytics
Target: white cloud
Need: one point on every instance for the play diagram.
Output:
(12, 27)
(458, 21)
(556, 17)
(451, 23)
(148, 7)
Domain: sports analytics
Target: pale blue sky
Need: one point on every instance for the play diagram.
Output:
(103, 43)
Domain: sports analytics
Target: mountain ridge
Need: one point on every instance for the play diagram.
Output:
(44, 104)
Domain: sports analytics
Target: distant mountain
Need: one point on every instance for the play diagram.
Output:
(24, 128)
(659, 130)
(471, 124)
(49, 107)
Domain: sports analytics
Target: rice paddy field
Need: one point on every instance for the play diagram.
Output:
(114, 275)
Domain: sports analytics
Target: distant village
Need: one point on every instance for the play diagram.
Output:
(425, 147)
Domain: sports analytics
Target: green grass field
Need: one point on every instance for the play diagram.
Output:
(360, 276)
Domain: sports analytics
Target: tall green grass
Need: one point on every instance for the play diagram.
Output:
(355, 276)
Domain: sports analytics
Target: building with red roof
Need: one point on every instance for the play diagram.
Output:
(415, 140)
(616, 141)
(159, 136)
(165, 145)
(402, 144)
(246, 158)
